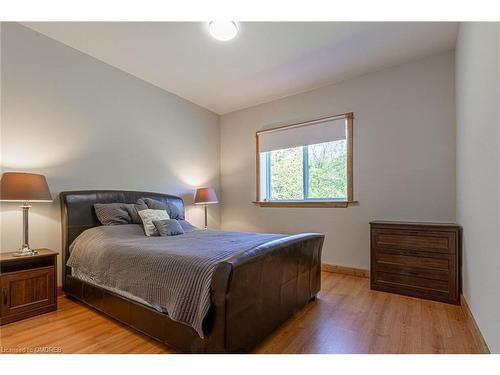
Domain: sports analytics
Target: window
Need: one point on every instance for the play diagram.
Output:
(307, 164)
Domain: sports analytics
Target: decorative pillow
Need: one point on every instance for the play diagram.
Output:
(171, 208)
(133, 210)
(112, 213)
(148, 216)
(169, 227)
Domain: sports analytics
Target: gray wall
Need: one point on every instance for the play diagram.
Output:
(404, 156)
(87, 125)
(478, 173)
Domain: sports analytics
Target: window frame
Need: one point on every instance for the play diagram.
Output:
(308, 202)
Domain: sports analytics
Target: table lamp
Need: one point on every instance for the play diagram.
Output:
(26, 188)
(205, 196)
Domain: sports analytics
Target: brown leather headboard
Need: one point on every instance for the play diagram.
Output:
(78, 214)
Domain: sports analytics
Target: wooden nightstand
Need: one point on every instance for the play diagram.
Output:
(28, 284)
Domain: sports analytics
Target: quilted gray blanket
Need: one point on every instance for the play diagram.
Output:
(173, 273)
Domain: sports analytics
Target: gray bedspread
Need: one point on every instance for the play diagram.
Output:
(173, 273)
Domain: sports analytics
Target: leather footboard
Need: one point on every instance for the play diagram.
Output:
(255, 292)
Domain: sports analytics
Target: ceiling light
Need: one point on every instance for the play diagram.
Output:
(223, 30)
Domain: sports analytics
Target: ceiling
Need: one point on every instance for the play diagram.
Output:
(266, 61)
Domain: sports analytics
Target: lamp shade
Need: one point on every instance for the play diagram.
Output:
(205, 196)
(24, 187)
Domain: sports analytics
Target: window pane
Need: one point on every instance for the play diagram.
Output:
(328, 170)
(287, 174)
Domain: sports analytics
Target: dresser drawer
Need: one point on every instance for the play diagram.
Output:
(418, 241)
(427, 262)
(413, 271)
(412, 282)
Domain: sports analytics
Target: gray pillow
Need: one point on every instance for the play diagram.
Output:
(168, 227)
(171, 208)
(112, 213)
(133, 210)
(187, 226)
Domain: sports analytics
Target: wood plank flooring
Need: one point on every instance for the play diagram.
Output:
(347, 317)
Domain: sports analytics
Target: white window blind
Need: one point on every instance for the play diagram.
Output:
(320, 131)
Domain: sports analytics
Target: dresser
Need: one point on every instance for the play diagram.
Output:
(416, 259)
(28, 285)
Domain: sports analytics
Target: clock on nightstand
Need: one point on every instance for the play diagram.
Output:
(28, 285)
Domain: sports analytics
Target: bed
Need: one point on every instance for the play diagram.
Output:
(252, 289)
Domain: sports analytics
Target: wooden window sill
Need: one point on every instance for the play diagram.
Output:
(310, 204)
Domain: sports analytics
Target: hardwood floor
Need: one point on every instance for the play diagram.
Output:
(347, 317)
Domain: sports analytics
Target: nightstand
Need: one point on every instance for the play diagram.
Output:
(28, 284)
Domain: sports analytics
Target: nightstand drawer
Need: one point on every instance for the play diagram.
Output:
(27, 291)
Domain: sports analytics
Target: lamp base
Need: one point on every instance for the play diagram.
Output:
(25, 252)
(206, 222)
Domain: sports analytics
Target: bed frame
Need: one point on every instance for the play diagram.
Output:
(252, 292)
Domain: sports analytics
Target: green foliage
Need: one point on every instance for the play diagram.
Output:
(286, 174)
(327, 171)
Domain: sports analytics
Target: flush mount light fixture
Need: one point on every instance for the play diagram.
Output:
(223, 30)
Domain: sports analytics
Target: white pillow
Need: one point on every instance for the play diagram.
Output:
(148, 216)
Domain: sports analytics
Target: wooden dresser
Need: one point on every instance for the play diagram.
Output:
(28, 285)
(416, 259)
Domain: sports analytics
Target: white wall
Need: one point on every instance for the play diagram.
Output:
(404, 156)
(87, 125)
(478, 172)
